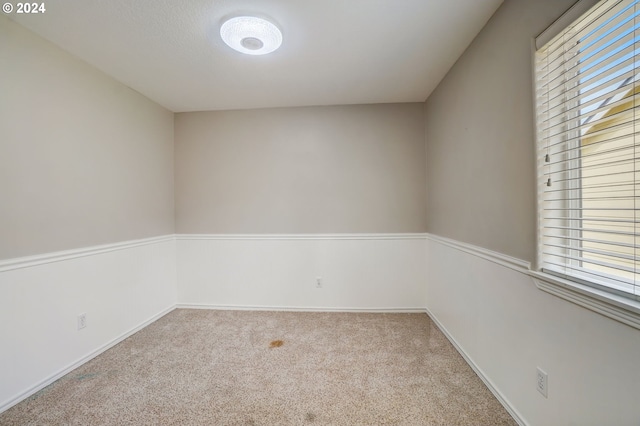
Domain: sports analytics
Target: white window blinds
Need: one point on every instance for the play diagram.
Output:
(588, 153)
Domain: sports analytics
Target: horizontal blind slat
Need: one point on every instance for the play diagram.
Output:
(617, 255)
(557, 143)
(591, 240)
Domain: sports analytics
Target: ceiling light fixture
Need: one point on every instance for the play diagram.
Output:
(250, 35)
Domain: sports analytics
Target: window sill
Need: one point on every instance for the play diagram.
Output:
(615, 307)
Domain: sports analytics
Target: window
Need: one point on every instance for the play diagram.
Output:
(588, 148)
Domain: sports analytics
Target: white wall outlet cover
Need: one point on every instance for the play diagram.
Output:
(541, 382)
(82, 321)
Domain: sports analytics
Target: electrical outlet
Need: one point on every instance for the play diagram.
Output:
(82, 321)
(541, 382)
(318, 282)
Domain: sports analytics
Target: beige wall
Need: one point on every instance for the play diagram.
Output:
(301, 170)
(480, 135)
(84, 160)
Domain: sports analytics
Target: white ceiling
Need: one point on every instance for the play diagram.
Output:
(334, 51)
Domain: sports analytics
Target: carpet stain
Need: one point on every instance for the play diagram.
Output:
(82, 377)
(310, 417)
(276, 344)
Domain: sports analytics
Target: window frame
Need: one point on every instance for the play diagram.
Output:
(604, 300)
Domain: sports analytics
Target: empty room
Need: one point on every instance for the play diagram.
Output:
(288, 212)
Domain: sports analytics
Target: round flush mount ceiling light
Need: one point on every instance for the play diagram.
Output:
(250, 35)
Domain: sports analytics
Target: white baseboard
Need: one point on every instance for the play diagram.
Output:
(31, 391)
(501, 398)
(293, 237)
(296, 308)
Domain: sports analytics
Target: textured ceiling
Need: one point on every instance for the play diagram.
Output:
(334, 51)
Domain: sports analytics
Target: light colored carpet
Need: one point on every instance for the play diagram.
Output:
(202, 367)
